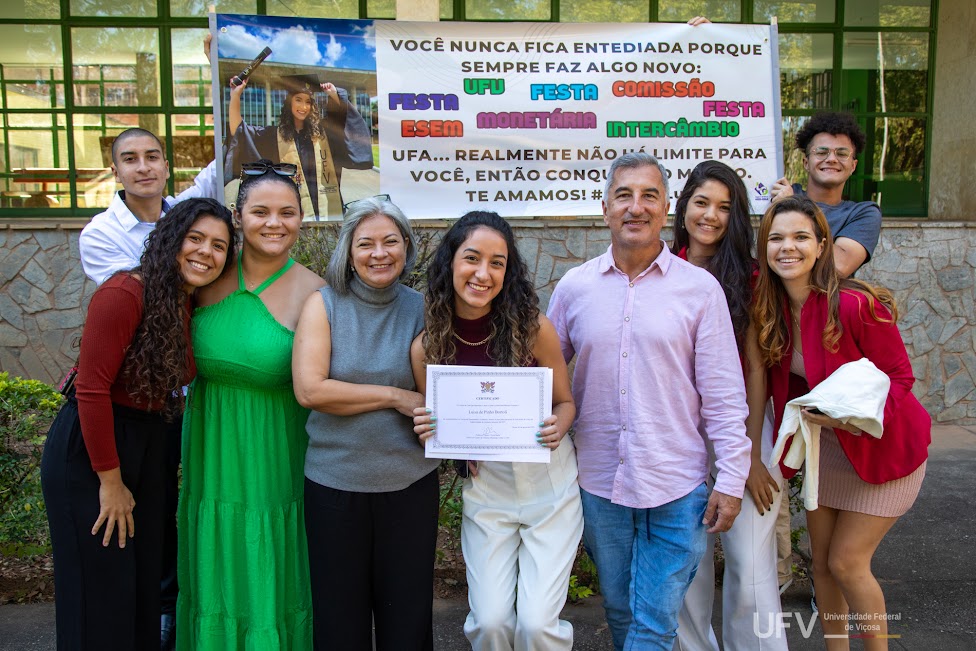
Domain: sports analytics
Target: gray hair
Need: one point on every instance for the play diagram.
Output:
(634, 160)
(339, 272)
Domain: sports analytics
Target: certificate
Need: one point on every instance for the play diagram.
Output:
(488, 413)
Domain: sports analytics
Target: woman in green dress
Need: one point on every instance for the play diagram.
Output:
(243, 562)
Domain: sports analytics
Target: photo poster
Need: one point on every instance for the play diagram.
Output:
(308, 99)
(525, 119)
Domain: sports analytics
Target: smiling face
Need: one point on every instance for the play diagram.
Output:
(635, 209)
(707, 217)
(140, 167)
(271, 218)
(379, 251)
(792, 247)
(301, 107)
(479, 272)
(829, 172)
(204, 252)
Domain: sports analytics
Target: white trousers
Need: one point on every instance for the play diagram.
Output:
(750, 587)
(521, 529)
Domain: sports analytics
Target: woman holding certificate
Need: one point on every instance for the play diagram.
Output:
(370, 495)
(522, 521)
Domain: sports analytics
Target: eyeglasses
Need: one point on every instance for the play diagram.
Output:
(381, 197)
(822, 153)
(259, 169)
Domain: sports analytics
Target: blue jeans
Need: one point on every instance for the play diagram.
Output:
(646, 559)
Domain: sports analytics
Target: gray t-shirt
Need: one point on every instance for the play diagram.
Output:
(857, 220)
(376, 451)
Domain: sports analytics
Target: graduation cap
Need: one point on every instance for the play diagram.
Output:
(308, 83)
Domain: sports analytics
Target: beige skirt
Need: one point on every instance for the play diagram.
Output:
(841, 488)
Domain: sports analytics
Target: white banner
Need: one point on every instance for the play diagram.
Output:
(526, 118)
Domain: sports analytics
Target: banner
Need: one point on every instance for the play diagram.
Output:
(526, 118)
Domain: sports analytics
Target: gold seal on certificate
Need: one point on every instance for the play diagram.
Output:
(488, 413)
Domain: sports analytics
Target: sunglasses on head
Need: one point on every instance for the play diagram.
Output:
(259, 169)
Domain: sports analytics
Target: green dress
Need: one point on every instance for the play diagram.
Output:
(243, 558)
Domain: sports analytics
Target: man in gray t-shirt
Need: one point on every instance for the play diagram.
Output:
(830, 143)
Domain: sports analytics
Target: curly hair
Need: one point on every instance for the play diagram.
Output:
(155, 365)
(514, 312)
(286, 121)
(836, 124)
(249, 182)
(769, 307)
(733, 264)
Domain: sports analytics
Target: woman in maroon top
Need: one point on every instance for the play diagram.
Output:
(810, 322)
(103, 468)
(522, 521)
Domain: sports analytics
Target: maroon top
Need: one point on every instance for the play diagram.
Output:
(473, 330)
(114, 314)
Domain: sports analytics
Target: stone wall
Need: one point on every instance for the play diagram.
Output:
(931, 267)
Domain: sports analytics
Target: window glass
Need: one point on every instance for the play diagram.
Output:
(903, 59)
(115, 66)
(43, 9)
(200, 7)
(32, 67)
(92, 140)
(314, 8)
(806, 70)
(193, 147)
(718, 11)
(191, 70)
(34, 162)
(508, 10)
(794, 11)
(113, 8)
(793, 157)
(887, 13)
(601, 11)
(894, 162)
(387, 9)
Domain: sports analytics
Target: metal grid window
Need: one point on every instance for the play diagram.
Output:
(74, 73)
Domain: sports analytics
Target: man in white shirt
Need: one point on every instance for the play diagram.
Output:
(114, 240)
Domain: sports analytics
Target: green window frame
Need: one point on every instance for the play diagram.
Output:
(184, 105)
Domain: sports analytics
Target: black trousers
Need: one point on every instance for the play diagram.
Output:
(371, 559)
(106, 598)
(169, 589)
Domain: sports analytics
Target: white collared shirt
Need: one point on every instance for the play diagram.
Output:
(115, 239)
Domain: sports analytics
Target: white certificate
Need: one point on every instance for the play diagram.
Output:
(488, 413)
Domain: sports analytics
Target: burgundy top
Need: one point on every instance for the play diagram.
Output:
(114, 314)
(473, 330)
(907, 426)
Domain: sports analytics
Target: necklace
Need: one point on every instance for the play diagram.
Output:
(473, 344)
(247, 283)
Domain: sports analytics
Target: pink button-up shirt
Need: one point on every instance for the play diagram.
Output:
(657, 373)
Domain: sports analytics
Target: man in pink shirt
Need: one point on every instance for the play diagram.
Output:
(657, 380)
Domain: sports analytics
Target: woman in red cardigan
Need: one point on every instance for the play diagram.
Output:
(810, 322)
(103, 469)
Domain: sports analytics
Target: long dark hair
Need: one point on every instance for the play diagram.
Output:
(155, 365)
(286, 121)
(732, 265)
(514, 312)
(771, 297)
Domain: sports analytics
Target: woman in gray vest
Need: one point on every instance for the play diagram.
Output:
(370, 495)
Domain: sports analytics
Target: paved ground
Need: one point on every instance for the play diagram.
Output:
(925, 565)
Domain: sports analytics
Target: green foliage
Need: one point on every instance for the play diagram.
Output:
(316, 244)
(576, 591)
(26, 410)
(795, 487)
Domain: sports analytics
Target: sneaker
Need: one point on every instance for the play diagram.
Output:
(813, 600)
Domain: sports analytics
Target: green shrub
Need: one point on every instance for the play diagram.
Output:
(27, 408)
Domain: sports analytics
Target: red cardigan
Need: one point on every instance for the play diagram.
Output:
(907, 426)
(114, 314)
